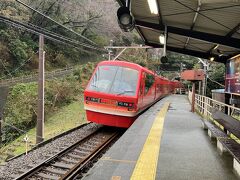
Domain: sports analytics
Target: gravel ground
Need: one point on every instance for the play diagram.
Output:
(17, 166)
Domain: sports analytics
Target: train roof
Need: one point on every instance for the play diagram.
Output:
(122, 63)
(127, 64)
(131, 65)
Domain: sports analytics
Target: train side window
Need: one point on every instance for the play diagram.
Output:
(149, 81)
(140, 89)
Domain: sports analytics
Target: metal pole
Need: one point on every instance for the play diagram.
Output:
(1, 122)
(181, 69)
(110, 49)
(165, 41)
(203, 83)
(40, 115)
(119, 54)
(109, 55)
(193, 97)
(199, 87)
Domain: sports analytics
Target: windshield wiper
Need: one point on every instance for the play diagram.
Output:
(126, 91)
(94, 85)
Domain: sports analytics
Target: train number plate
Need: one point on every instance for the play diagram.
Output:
(108, 101)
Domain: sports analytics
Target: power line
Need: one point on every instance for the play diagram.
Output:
(6, 69)
(39, 30)
(16, 128)
(48, 35)
(55, 22)
(216, 82)
(62, 37)
(21, 65)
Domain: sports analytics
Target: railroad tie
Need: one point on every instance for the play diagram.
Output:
(55, 171)
(63, 165)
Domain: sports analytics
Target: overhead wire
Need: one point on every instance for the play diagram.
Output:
(18, 129)
(6, 68)
(44, 15)
(48, 35)
(21, 65)
(216, 82)
(38, 30)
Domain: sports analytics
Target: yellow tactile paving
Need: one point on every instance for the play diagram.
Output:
(146, 166)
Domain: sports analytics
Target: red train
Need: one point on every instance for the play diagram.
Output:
(118, 91)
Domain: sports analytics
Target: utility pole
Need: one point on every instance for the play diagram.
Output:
(110, 50)
(199, 87)
(193, 97)
(205, 69)
(1, 122)
(40, 115)
(182, 66)
(3, 98)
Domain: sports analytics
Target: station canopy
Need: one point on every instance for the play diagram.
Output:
(208, 29)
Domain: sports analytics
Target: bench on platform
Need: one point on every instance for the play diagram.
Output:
(224, 142)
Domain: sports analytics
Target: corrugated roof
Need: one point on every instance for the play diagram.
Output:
(216, 24)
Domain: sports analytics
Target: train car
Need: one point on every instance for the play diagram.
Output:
(118, 91)
(178, 87)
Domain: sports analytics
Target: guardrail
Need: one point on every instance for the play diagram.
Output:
(204, 105)
(34, 77)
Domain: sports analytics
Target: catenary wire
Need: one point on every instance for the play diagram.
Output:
(44, 15)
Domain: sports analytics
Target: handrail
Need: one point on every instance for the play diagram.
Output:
(205, 104)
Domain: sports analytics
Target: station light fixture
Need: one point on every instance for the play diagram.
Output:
(215, 47)
(212, 58)
(153, 6)
(162, 39)
(125, 19)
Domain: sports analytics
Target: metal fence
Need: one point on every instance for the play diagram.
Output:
(204, 105)
(34, 77)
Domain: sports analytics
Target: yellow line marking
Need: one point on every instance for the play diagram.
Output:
(146, 166)
(116, 178)
(117, 160)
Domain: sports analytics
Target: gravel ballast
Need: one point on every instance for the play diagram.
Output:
(17, 166)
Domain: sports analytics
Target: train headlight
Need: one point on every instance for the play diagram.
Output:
(92, 99)
(125, 104)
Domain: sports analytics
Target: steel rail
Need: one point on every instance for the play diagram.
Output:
(76, 170)
(78, 166)
(50, 140)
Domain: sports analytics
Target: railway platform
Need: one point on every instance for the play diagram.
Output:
(165, 142)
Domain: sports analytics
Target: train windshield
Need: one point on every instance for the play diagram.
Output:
(114, 80)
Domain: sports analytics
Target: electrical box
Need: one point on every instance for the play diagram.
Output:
(192, 75)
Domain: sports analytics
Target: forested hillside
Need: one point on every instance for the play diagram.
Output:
(95, 20)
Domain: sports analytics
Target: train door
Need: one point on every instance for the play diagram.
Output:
(149, 89)
(155, 87)
(141, 90)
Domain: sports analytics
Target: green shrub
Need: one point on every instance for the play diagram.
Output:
(19, 51)
(20, 109)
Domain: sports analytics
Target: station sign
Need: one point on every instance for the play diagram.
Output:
(192, 75)
(232, 81)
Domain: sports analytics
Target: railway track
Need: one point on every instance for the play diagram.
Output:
(69, 163)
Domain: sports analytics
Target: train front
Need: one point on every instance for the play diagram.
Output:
(111, 95)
